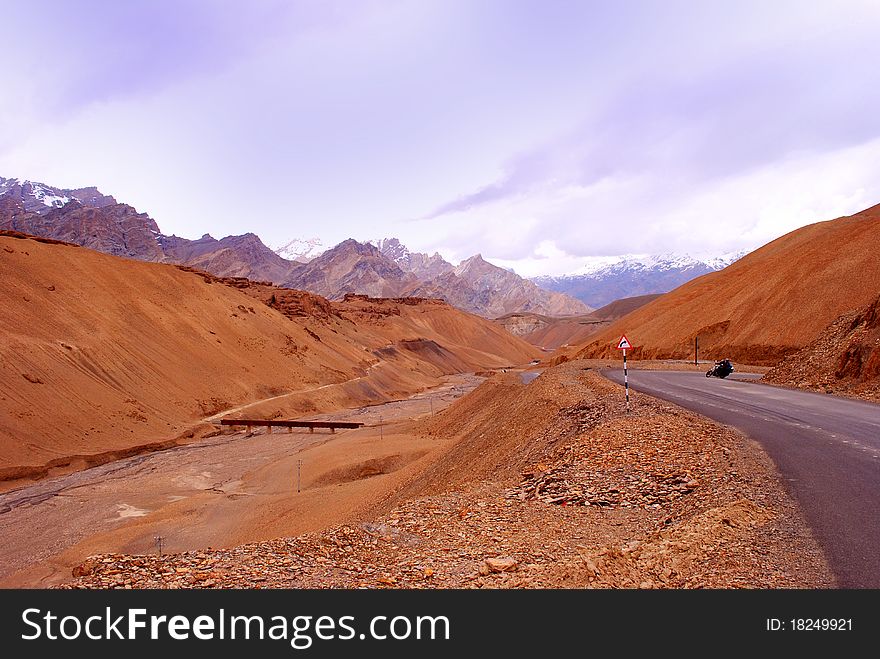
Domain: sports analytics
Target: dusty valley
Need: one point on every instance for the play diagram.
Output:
(492, 453)
(574, 493)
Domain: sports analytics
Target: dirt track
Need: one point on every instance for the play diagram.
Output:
(217, 492)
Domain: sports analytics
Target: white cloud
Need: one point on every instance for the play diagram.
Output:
(569, 225)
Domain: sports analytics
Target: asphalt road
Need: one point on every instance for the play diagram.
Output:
(826, 448)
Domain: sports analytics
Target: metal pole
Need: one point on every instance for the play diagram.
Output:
(696, 350)
(299, 464)
(625, 380)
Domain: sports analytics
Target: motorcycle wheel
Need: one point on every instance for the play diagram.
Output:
(708, 374)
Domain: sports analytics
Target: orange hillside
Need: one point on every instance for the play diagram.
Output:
(770, 303)
(101, 355)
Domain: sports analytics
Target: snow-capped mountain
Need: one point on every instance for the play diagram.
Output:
(605, 279)
(606, 265)
(301, 250)
(721, 262)
(41, 198)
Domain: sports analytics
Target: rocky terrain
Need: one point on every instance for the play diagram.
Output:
(476, 285)
(41, 198)
(546, 484)
(765, 306)
(843, 359)
(514, 292)
(115, 229)
(423, 266)
(351, 267)
(233, 256)
(568, 492)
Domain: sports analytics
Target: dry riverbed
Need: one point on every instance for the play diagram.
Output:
(217, 492)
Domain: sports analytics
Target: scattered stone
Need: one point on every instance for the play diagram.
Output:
(501, 564)
(86, 568)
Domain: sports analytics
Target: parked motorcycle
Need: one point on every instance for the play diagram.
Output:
(721, 369)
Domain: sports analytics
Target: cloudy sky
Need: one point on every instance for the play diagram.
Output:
(539, 133)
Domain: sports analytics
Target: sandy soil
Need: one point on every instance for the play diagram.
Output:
(218, 492)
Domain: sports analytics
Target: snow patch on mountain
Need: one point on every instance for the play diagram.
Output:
(393, 249)
(600, 265)
(604, 279)
(35, 194)
(301, 250)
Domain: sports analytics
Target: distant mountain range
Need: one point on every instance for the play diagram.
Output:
(626, 276)
(476, 284)
(385, 269)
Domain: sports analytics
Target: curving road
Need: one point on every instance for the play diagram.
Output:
(827, 449)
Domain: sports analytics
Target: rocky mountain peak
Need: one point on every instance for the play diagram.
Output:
(41, 198)
(419, 264)
(392, 248)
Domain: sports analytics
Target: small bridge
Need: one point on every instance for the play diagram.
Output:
(290, 425)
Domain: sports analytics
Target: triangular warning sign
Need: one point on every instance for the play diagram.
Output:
(624, 343)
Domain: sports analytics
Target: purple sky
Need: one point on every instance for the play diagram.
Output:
(537, 133)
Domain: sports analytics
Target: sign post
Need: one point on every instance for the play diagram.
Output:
(623, 344)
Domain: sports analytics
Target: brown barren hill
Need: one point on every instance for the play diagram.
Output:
(845, 358)
(102, 356)
(412, 324)
(765, 306)
(619, 308)
(550, 333)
